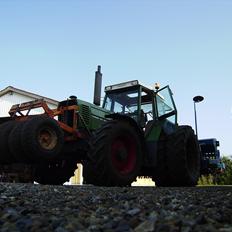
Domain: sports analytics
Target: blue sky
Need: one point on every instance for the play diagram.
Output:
(52, 48)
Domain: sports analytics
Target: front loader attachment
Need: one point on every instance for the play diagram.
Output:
(21, 112)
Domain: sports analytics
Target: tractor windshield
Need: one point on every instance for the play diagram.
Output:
(124, 102)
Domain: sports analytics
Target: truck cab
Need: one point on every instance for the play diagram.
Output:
(211, 162)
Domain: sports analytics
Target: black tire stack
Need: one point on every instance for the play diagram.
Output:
(37, 139)
(5, 154)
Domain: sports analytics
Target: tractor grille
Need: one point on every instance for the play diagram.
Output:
(85, 113)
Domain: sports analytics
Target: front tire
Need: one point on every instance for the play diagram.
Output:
(115, 155)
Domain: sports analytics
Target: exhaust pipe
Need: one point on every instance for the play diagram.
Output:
(97, 86)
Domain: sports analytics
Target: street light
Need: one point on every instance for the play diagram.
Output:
(196, 99)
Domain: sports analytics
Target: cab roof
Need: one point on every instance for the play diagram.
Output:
(124, 85)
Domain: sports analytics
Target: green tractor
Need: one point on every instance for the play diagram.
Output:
(134, 133)
(141, 137)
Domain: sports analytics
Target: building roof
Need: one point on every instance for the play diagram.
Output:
(26, 93)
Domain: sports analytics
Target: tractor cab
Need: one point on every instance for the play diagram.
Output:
(142, 104)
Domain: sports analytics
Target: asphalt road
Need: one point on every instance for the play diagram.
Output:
(28, 207)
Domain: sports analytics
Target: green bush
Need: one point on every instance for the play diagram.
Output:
(206, 180)
(224, 178)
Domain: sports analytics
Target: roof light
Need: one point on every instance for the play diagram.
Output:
(157, 86)
(122, 85)
(107, 88)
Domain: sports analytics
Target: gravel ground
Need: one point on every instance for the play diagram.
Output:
(28, 207)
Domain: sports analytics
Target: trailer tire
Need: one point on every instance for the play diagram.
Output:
(5, 154)
(115, 155)
(56, 173)
(183, 157)
(42, 138)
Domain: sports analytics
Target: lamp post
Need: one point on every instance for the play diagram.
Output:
(196, 99)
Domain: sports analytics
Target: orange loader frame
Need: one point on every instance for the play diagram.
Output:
(21, 112)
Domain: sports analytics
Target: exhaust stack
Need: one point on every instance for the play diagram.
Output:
(97, 86)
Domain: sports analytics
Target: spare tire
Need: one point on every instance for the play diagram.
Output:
(5, 154)
(41, 138)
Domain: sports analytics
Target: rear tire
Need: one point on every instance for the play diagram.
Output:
(115, 155)
(183, 157)
(179, 165)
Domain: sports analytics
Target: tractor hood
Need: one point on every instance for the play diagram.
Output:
(92, 115)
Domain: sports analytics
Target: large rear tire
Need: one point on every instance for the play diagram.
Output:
(181, 161)
(115, 155)
(183, 158)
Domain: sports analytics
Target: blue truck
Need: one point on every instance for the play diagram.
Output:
(211, 162)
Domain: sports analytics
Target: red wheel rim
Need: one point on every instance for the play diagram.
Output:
(123, 153)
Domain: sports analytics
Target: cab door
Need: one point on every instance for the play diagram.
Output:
(165, 105)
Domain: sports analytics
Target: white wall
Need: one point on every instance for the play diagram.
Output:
(11, 98)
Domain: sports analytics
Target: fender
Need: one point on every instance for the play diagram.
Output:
(131, 121)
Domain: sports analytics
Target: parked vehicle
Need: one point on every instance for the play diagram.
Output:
(134, 133)
(211, 162)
